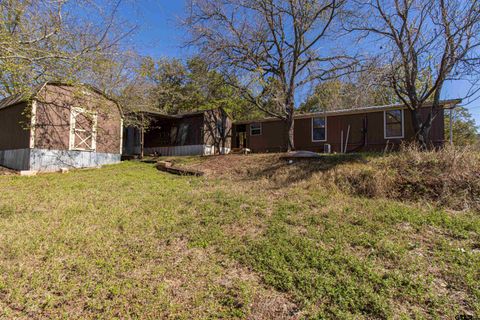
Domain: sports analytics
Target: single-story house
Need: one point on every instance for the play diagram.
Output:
(350, 130)
(204, 132)
(57, 125)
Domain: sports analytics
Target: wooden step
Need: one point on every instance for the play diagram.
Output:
(167, 166)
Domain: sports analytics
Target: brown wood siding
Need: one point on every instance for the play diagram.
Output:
(437, 133)
(52, 129)
(211, 134)
(14, 127)
(273, 139)
(335, 124)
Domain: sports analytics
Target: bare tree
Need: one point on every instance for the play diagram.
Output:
(55, 39)
(274, 47)
(218, 130)
(355, 90)
(425, 43)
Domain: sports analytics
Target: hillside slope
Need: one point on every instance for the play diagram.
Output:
(254, 239)
(450, 178)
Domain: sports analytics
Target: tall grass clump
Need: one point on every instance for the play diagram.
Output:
(449, 177)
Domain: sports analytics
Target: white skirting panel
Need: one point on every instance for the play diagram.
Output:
(225, 150)
(53, 160)
(208, 150)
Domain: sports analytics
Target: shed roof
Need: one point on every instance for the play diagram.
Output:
(11, 100)
(26, 96)
(20, 97)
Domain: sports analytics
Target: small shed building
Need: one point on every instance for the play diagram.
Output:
(58, 126)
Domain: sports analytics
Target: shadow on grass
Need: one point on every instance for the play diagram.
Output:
(285, 172)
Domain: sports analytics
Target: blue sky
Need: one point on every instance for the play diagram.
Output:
(159, 35)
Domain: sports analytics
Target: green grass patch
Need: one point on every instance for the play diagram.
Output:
(128, 241)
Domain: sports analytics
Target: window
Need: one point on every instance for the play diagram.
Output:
(394, 128)
(83, 130)
(319, 129)
(255, 129)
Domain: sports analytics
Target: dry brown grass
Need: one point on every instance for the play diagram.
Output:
(6, 172)
(448, 178)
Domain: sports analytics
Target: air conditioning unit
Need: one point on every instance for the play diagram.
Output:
(327, 148)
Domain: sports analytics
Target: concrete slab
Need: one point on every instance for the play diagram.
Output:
(301, 155)
(28, 173)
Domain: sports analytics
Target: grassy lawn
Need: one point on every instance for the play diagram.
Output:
(128, 241)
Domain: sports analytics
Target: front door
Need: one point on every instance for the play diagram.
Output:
(241, 136)
(242, 139)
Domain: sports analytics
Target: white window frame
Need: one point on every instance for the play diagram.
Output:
(260, 127)
(385, 124)
(33, 123)
(326, 121)
(121, 136)
(74, 111)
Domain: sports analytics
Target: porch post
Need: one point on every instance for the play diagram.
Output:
(142, 136)
(451, 126)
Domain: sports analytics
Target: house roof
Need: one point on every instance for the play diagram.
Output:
(446, 104)
(178, 115)
(26, 96)
(172, 116)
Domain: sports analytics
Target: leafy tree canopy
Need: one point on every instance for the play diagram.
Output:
(464, 127)
(182, 87)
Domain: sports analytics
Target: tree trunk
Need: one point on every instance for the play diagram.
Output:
(421, 128)
(290, 128)
(290, 134)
